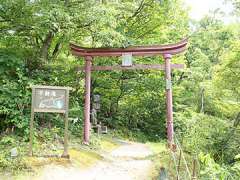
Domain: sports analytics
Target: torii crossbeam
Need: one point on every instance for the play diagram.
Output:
(165, 50)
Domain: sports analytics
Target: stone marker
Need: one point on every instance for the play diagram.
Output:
(14, 152)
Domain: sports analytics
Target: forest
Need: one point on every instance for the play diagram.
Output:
(34, 50)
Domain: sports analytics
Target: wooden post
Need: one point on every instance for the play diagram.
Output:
(31, 125)
(179, 164)
(65, 152)
(167, 58)
(88, 64)
(194, 173)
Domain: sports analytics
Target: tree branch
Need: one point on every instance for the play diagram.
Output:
(139, 9)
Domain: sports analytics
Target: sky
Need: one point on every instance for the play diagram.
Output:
(199, 8)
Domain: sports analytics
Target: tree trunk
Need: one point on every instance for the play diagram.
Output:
(202, 100)
(46, 45)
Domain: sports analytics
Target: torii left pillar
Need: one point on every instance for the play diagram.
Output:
(88, 65)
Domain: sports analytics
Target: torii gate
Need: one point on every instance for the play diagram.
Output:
(165, 50)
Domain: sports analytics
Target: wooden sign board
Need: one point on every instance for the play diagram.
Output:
(50, 99)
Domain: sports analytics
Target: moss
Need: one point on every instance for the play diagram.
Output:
(160, 157)
(78, 157)
(37, 162)
(83, 158)
(108, 145)
(157, 147)
(163, 159)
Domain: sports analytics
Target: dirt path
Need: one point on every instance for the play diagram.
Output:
(124, 163)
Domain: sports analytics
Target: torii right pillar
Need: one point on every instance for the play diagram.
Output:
(169, 105)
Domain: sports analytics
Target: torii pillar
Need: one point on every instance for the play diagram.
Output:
(88, 66)
(170, 131)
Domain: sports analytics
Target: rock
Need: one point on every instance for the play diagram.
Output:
(14, 152)
(53, 147)
(163, 174)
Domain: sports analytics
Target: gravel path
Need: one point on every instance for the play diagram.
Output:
(125, 163)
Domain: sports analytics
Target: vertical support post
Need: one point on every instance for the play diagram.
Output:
(30, 153)
(167, 58)
(88, 64)
(65, 152)
(179, 164)
(194, 173)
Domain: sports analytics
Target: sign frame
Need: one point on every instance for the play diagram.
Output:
(50, 110)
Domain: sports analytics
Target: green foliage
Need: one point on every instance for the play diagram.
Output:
(227, 74)
(13, 164)
(212, 170)
(8, 140)
(235, 168)
(236, 5)
(8, 163)
(206, 117)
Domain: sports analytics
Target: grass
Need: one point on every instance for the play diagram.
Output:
(79, 158)
(37, 162)
(23, 167)
(107, 144)
(83, 158)
(157, 147)
(161, 158)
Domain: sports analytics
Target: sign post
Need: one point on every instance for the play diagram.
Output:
(51, 99)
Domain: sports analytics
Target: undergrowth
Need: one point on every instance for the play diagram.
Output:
(47, 149)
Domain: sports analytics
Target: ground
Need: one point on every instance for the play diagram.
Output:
(126, 162)
(129, 161)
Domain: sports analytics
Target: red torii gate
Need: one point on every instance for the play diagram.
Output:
(165, 50)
